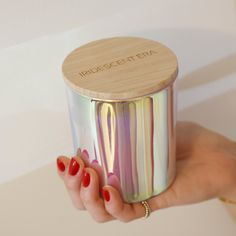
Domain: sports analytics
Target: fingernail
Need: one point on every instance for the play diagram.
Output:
(60, 165)
(110, 174)
(74, 166)
(86, 179)
(95, 161)
(85, 152)
(106, 195)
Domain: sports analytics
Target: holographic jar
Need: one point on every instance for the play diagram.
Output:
(122, 103)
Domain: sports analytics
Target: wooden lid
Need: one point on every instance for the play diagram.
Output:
(120, 68)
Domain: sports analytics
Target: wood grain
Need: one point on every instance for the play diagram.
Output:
(120, 68)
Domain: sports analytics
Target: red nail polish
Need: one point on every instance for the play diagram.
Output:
(106, 195)
(86, 179)
(74, 166)
(60, 165)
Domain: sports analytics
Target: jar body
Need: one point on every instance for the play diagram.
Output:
(133, 140)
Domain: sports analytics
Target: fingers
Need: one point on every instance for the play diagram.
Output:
(91, 198)
(163, 200)
(78, 153)
(177, 192)
(114, 182)
(84, 182)
(83, 186)
(84, 156)
(118, 209)
(62, 165)
(72, 177)
(95, 165)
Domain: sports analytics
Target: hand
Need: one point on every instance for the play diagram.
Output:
(84, 182)
(206, 168)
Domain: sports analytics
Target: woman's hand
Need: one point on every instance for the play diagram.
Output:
(83, 181)
(206, 168)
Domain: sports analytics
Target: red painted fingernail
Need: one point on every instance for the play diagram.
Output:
(95, 161)
(106, 195)
(86, 153)
(74, 166)
(86, 179)
(60, 165)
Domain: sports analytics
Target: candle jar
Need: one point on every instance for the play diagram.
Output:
(121, 97)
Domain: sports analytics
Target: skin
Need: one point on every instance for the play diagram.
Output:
(206, 169)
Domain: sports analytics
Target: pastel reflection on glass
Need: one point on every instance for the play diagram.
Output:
(133, 139)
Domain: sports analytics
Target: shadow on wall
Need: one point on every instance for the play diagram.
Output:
(214, 52)
(30, 140)
(218, 113)
(209, 73)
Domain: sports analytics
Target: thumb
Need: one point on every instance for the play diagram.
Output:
(165, 199)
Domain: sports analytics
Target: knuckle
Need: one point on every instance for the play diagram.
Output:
(81, 162)
(70, 184)
(116, 210)
(88, 200)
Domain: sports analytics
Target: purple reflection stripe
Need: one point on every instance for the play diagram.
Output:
(133, 143)
(109, 126)
(94, 149)
(128, 146)
(119, 148)
(116, 167)
(101, 135)
(148, 120)
(124, 159)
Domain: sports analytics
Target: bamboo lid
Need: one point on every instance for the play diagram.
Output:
(120, 68)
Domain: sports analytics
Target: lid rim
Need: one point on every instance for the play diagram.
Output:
(135, 87)
(123, 99)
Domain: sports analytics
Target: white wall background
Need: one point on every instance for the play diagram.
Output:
(35, 36)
